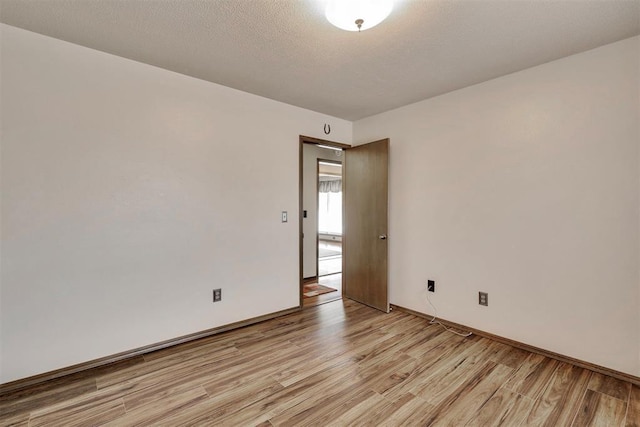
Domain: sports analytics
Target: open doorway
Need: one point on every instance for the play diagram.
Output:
(328, 287)
(329, 217)
(321, 222)
(365, 219)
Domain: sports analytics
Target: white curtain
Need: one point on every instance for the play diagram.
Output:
(330, 186)
(330, 207)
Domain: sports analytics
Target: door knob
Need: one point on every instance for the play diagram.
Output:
(382, 237)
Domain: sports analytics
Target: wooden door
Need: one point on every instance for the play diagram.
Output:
(365, 187)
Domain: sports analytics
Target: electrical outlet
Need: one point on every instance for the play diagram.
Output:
(483, 298)
(217, 295)
(431, 285)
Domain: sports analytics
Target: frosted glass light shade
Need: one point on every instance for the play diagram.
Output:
(344, 13)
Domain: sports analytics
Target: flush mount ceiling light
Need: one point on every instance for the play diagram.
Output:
(357, 15)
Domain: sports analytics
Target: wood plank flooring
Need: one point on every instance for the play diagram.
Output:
(335, 364)
(333, 281)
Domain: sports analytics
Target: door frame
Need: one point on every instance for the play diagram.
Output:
(313, 141)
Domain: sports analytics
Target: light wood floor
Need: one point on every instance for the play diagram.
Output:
(332, 264)
(332, 281)
(338, 364)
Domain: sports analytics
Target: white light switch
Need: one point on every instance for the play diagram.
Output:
(284, 216)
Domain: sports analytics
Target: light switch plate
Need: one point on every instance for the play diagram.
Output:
(284, 216)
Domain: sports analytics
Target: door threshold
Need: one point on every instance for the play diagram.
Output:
(322, 302)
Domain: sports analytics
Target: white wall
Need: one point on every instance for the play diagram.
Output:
(1, 233)
(525, 187)
(310, 154)
(128, 194)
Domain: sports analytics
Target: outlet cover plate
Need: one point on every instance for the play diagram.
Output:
(483, 298)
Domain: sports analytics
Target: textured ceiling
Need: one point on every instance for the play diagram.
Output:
(287, 51)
